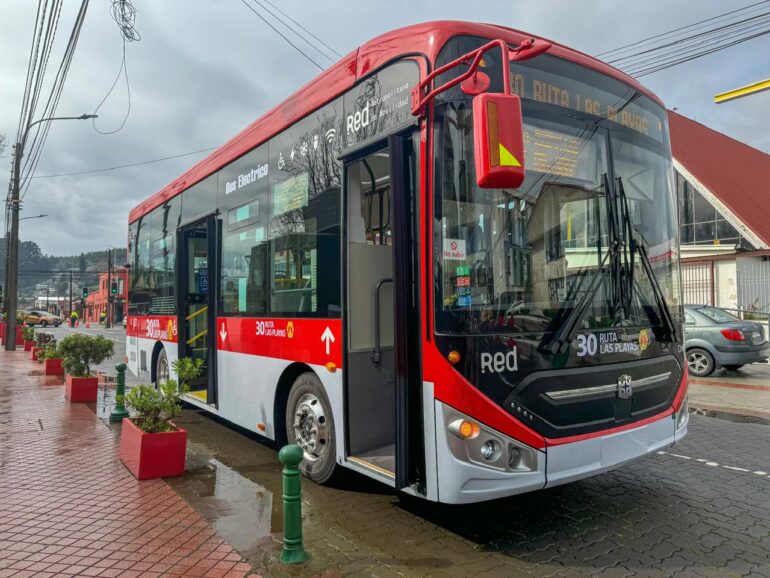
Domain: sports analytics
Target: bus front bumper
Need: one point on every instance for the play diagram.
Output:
(464, 478)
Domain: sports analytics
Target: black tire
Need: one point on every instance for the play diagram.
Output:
(700, 362)
(308, 409)
(161, 368)
(44, 323)
(733, 367)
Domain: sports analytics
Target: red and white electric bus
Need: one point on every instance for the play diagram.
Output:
(449, 262)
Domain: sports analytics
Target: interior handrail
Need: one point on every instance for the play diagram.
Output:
(376, 355)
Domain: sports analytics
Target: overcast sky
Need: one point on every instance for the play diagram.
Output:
(204, 69)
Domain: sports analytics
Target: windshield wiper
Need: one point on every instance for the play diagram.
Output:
(567, 329)
(569, 325)
(667, 319)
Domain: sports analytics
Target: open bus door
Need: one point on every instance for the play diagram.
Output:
(383, 383)
(410, 444)
(197, 289)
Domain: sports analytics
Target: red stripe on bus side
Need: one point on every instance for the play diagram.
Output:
(157, 327)
(304, 340)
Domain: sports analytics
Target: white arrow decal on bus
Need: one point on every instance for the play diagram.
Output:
(223, 332)
(328, 337)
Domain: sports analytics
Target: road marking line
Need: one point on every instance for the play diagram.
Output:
(713, 464)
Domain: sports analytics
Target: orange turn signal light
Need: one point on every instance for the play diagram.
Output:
(331, 367)
(453, 357)
(468, 429)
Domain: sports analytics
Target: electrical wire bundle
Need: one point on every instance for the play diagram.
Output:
(693, 41)
(35, 103)
(124, 14)
(276, 19)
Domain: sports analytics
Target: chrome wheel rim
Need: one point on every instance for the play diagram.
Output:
(698, 362)
(310, 426)
(162, 372)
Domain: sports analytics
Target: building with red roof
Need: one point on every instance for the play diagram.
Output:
(723, 187)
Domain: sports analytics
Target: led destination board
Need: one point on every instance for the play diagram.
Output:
(623, 106)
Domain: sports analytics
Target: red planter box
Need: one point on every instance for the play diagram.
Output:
(54, 366)
(28, 345)
(34, 351)
(19, 335)
(81, 389)
(152, 455)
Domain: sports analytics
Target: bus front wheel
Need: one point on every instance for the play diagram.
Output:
(310, 425)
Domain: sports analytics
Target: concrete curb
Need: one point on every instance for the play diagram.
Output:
(731, 413)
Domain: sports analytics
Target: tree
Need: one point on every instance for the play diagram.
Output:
(82, 263)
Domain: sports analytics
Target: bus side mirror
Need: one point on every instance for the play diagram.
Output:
(498, 141)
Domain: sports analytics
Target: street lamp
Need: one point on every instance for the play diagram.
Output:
(40, 216)
(12, 240)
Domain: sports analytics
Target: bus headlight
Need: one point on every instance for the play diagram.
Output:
(490, 451)
(473, 442)
(683, 415)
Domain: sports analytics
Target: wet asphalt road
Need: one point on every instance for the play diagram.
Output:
(700, 509)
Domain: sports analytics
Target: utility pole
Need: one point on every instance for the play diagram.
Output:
(47, 291)
(108, 318)
(12, 246)
(70, 292)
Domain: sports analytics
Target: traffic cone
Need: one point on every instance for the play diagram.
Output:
(77, 323)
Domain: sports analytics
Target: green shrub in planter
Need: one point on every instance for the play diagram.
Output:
(82, 352)
(28, 333)
(155, 407)
(48, 351)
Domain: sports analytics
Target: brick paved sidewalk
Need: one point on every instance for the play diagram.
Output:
(69, 507)
(742, 392)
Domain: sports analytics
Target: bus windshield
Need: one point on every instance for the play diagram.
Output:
(520, 260)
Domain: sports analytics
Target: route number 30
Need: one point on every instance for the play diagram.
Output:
(587, 344)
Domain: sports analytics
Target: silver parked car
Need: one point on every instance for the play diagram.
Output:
(715, 338)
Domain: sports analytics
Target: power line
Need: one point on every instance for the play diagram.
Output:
(714, 40)
(125, 166)
(693, 41)
(297, 48)
(124, 14)
(52, 103)
(337, 54)
(303, 38)
(700, 37)
(681, 28)
(703, 53)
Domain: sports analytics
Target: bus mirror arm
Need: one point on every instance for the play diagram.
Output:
(529, 48)
(376, 355)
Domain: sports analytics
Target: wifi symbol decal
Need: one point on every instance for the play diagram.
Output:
(331, 134)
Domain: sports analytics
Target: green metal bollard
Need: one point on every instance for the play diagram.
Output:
(119, 411)
(293, 550)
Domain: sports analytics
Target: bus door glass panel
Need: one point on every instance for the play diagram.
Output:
(197, 300)
(370, 320)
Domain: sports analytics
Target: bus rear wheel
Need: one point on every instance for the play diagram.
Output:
(310, 425)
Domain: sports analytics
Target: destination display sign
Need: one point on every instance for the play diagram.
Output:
(560, 87)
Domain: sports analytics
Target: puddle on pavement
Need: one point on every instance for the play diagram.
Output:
(240, 510)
